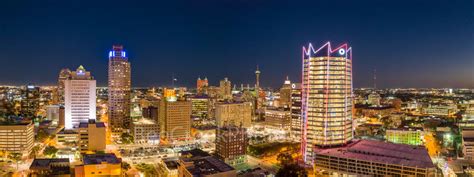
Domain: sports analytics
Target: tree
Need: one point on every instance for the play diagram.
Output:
(15, 157)
(285, 159)
(292, 169)
(34, 151)
(147, 169)
(126, 138)
(50, 151)
(125, 166)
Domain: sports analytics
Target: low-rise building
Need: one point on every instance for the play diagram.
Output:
(167, 168)
(199, 163)
(374, 158)
(50, 167)
(278, 119)
(94, 165)
(411, 136)
(145, 131)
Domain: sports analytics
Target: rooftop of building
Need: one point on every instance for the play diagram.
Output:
(86, 124)
(45, 163)
(171, 164)
(208, 165)
(92, 159)
(204, 163)
(407, 129)
(55, 166)
(144, 121)
(381, 152)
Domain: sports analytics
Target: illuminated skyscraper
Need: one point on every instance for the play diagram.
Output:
(119, 89)
(225, 89)
(258, 102)
(80, 98)
(64, 74)
(326, 97)
(285, 93)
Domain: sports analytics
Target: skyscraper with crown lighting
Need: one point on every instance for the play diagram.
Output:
(326, 97)
(119, 89)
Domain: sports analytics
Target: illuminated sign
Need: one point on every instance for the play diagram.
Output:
(342, 51)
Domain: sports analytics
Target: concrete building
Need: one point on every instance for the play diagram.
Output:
(175, 119)
(91, 136)
(80, 98)
(225, 89)
(295, 109)
(167, 168)
(50, 167)
(150, 112)
(64, 75)
(52, 114)
(17, 137)
(285, 94)
(468, 143)
(199, 163)
(231, 144)
(278, 119)
(145, 131)
(440, 110)
(201, 85)
(327, 97)
(119, 89)
(374, 158)
(234, 113)
(201, 106)
(94, 165)
(30, 99)
(374, 99)
(410, 136)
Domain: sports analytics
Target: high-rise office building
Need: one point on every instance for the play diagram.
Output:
(30, 100)
(201, 106)
(327, 97)
(64, 74)
(175, 119)
(80, 98)
(231, 144)
(119, 89)
(285, 94)
(295, 109)
(225, 89)
(278, 119)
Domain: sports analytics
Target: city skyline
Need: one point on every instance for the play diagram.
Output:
(421, 47)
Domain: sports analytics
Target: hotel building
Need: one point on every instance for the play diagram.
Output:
(231, 144)
(119, 89)
(234, 113)
(326, 97)
(80, 98)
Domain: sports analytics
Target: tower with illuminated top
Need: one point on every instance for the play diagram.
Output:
(326, 98)
(119, 89)
(257, 88)
(80, 98)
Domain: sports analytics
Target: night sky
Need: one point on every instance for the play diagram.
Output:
(411, 43)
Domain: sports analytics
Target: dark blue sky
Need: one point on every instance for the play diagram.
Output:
(411, 43)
